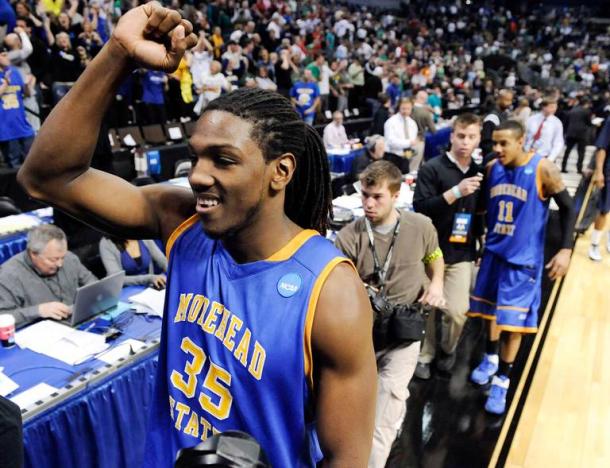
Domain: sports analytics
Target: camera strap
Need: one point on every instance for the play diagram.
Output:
(379, 270)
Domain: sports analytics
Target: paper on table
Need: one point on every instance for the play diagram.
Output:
(7, 385)
(60, 341)
(348, 201)
(174, 133)
(128, 140)
(32, 395)
(45, 331)
(119, 351)
(150, 301)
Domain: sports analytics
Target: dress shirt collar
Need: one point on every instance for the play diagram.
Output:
(457, 164)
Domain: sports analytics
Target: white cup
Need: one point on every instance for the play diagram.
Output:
(7, 330)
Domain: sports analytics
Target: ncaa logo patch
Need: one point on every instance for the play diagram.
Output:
(289, 285)
(529, 171)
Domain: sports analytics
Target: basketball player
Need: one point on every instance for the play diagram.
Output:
(267, 328)
(507, 291)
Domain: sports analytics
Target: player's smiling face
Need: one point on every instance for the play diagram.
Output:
(508, 146)
(229, 177)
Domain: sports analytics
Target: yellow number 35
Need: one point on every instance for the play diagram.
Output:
(216, 381)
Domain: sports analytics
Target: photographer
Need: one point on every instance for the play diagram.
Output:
(396, 253)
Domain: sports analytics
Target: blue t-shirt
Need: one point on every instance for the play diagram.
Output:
(305, 95)
(152, 87)
(13, 124)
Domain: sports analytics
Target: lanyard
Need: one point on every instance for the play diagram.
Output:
(381, 272)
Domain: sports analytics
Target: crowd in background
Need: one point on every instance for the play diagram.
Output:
(344, 57)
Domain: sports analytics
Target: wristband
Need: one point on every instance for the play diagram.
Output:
(456, 191)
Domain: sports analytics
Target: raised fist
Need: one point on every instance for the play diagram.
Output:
(154, 36)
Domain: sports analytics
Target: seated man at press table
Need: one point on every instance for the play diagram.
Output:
(42, 281)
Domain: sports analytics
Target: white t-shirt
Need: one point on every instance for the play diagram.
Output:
(324, 84)
(200, 66)
(213, 86)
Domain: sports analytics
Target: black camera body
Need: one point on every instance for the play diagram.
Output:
(396, 324)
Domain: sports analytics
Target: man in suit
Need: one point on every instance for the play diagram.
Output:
(578, 123)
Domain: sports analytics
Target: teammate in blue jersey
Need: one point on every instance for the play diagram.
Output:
(267, 328)
(507, 291)
(16, 134)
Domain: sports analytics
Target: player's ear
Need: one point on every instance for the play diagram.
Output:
(283, 169)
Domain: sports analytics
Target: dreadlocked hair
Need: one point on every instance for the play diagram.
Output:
(278, 129)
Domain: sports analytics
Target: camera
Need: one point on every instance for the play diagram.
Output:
(230, 449)
(395, 324)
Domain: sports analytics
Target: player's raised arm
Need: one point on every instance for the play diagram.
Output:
(57, 168)
(344, 363)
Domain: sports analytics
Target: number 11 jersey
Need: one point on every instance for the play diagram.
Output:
(517, 212)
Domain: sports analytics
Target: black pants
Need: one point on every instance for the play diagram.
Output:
(580, 143)
(11, 435)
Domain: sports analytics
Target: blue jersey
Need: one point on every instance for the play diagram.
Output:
(236, 347)
(153, 83)
(516, 213)
(305, 94)
(13, 123)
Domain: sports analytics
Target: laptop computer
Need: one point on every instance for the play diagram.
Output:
(95, 298)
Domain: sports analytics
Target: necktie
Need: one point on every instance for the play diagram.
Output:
(539, 131)
(405, 127)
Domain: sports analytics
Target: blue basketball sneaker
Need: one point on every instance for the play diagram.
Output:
(486, 370)
(496, 401)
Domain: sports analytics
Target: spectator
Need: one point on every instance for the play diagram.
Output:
(305, 96)
(212, 87)
(355, 73)
(217, 41)
(495, 116)
(523, 111)
(374, 151)
(400, 132)
(339, 85)
(66, 64)
(20, 48)
(435, 102)
(544, 131)
(284, 69)
(372, 87)
(334, 132)
(447, 191)
(382, 240)
(201, 58)
(394, 89)
(263, 81)
(422, 114)
(16, 134)
(265, 61)
(577, 132)
(142, 261)
(153, 97)
(41, 282)
(382, 114)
